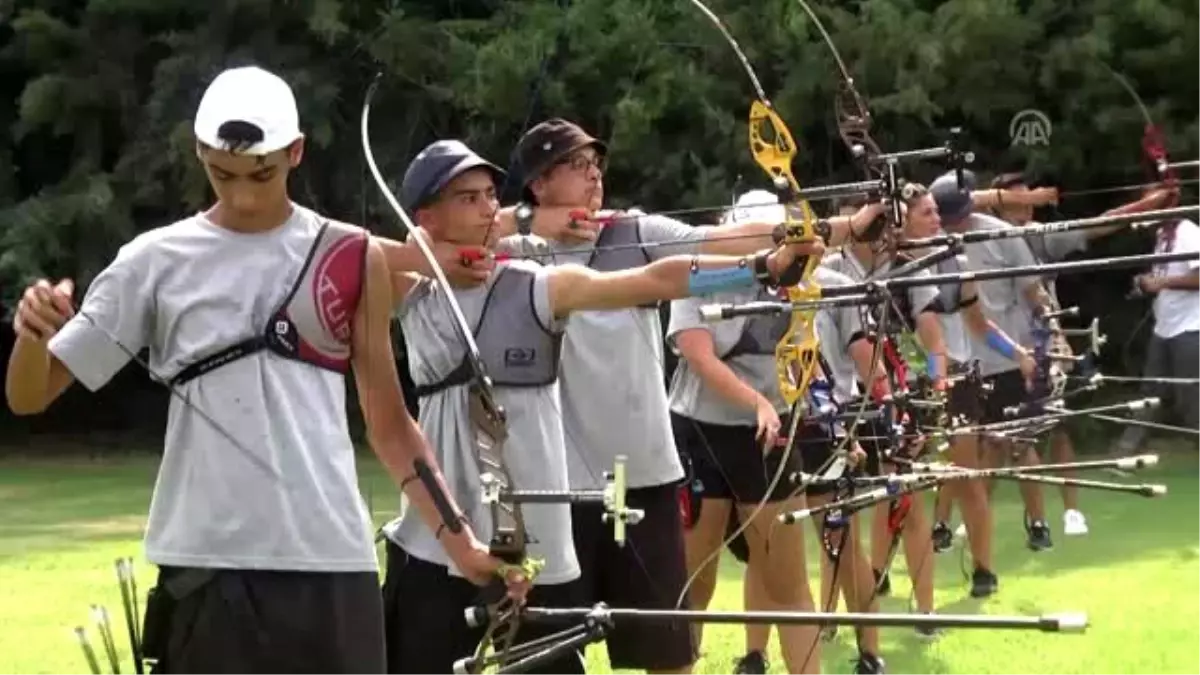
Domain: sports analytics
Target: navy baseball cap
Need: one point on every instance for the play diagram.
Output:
(435, 166)
(954, 203)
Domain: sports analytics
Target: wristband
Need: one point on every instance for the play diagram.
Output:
(999, 344)
(931, 365)
(705, 282)
(761, 271)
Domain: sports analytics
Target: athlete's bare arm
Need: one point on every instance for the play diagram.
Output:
(574, 287)
(405, 260)
(982, 327)
(870, 372)
(394, 435)
(35, 377)
(842, 229)
(929, 330)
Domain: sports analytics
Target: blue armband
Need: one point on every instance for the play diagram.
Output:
(931, 365)
(704, 282)
(999, 345)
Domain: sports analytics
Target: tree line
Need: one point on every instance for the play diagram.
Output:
(100, 96)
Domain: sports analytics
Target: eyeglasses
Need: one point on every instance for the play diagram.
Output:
(580, 162)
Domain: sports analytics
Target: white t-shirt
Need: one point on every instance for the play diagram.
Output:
(611, 377)
(283, 495)
(1178, 311)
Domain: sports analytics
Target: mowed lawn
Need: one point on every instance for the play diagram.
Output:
(1137, 576)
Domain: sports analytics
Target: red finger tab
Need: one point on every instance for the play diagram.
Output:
(898, 512)
(468, 256)
(582, 214)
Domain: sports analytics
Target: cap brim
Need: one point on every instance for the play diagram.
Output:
(550, 161)
(963, 213)
(262, 148)
(467, 164)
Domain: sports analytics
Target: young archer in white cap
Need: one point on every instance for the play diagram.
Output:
(254, 310)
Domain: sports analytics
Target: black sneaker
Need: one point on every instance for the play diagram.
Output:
(1038, 535)
(883, 583)
(929, 633)
(753, 662)
(983, 583)
(943, 538)
(868, 663)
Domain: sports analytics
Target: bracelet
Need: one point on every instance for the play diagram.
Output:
(458, 521)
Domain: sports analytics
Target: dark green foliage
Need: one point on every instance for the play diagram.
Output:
(100, 94)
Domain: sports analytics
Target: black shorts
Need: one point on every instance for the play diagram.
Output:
(1008, 391)
(261, 621)
(727, 461)
(427, 630)
(816, 446)
(649, 572)
(965, 401)
(873, 437)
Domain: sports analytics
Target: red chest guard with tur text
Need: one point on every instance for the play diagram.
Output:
(315, 322)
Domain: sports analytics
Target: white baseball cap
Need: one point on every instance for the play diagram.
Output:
(253, 95)
(758, 206)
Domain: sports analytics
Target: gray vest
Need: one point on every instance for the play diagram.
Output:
(619, 247)
(761, 332)
(949, 299)
(516, 349)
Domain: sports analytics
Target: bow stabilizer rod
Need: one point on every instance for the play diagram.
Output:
(880, 288)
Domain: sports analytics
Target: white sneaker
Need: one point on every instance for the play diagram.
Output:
(961, 531)
(1074, 523)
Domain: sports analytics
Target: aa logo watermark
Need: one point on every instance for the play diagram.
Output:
(1029, 127)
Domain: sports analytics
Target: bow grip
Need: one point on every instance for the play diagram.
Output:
(802, 355)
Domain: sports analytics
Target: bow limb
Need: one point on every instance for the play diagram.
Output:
(1154, 147)
(773, 149)
(508, 540)
(853, 116)
(854, 122)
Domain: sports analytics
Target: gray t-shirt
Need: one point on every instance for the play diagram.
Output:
(1002, 300)
(1049, 248)
(846, 263)
(186, 291)
(691, 397)
(613, 399)
(837, 327)
(533, 453)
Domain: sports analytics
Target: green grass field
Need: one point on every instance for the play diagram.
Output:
(1137, 576)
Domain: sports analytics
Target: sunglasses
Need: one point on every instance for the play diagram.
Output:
(580, 162)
